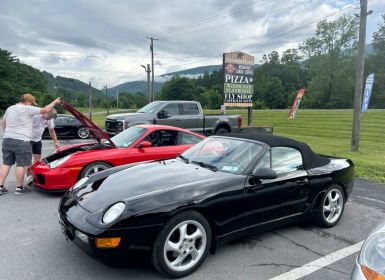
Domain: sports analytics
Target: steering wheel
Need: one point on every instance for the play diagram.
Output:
(155, 138)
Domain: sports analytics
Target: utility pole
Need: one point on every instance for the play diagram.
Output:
(359, 77)
(152, 66)
(117, 99)
(108, 102)
(89, 102)
(149, 89)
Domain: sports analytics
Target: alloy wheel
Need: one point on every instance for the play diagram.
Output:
(83, 133)
(94, 169)
(333, 205)
(185, 245)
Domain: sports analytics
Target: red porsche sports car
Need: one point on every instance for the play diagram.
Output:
(63, 168)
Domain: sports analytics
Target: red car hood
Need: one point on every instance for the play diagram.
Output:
(98, 134)
(66, 147)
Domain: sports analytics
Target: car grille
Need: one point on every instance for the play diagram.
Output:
(113, 126)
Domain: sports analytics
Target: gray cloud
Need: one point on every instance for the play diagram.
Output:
(106, 40)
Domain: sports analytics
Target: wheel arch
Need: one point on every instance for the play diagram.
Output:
(206, 214)
(318, 198)
(98, 161)
(222, 125)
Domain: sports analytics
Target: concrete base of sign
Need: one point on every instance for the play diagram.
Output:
(257, 129)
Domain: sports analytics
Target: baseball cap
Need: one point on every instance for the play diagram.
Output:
(28, 98)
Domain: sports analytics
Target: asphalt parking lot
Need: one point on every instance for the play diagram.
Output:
(32, 245)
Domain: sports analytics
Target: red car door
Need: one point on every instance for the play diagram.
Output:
(156, 153)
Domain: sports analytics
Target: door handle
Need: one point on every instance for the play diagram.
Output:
(178, 119)
(302, 182)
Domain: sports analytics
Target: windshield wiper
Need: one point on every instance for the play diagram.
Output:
(186, 160)
(205, 165)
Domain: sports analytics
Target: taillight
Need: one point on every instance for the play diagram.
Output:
(240, 120)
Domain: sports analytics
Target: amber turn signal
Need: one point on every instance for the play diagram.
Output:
(371, 274)
(112, 242)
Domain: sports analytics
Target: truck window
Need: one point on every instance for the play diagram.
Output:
(190, 109)
(171, 109)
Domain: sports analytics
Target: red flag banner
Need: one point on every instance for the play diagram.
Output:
(296, 103)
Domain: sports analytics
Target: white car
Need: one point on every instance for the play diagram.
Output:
(370, 263)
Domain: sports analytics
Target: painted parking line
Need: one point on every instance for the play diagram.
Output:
(319, 263)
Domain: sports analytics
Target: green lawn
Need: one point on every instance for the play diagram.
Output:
(328, 132)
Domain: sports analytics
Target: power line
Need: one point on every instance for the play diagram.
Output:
(298, 28)
(209, 19)
(268, 40)
(228, 23)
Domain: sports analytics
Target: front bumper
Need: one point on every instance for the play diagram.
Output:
(136, 242)
(57, 179)
(357, 273)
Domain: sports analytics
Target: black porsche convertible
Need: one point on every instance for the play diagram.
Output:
(223, 188)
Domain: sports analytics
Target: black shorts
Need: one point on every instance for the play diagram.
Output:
(36, 147)
(18, 151)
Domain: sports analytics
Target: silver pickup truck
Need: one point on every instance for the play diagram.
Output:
(184, 114)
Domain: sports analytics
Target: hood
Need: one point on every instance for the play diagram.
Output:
(126, 116)
(121, 116)
(67, 147)
(142, 181)
(98, 134)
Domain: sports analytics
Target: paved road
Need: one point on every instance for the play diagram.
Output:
(33, 247)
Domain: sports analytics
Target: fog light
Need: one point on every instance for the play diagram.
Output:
(81, 236)
(112, 242)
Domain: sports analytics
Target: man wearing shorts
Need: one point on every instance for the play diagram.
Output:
(16, 148)
(40, 123)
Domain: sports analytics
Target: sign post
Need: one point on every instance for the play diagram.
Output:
(238, 87)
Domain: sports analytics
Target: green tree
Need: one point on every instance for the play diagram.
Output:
(178, 88)
(16, 79)
(331, 64)
(375, 64)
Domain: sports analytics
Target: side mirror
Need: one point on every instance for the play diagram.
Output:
(162, 114)
(265, 173)
(144, 144)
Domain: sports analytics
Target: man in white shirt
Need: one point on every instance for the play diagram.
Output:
(40, 123)
(16, 148)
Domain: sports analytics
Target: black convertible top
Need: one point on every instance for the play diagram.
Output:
(310, 158)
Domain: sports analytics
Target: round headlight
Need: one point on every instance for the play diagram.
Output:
(373, 253)
(80, 183)
(113, 212)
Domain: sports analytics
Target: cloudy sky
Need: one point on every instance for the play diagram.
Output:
(104, 41)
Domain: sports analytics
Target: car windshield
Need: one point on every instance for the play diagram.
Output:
(125, 138)
(223, 154)
(150, 108)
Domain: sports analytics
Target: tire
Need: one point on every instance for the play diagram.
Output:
(331, 207)
(221, 130)
(94, 168)
(190, 236)
(82, 133)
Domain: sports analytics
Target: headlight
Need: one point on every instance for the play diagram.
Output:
(56, 163)
(372, 257)
(113, 212)
(80, 183)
